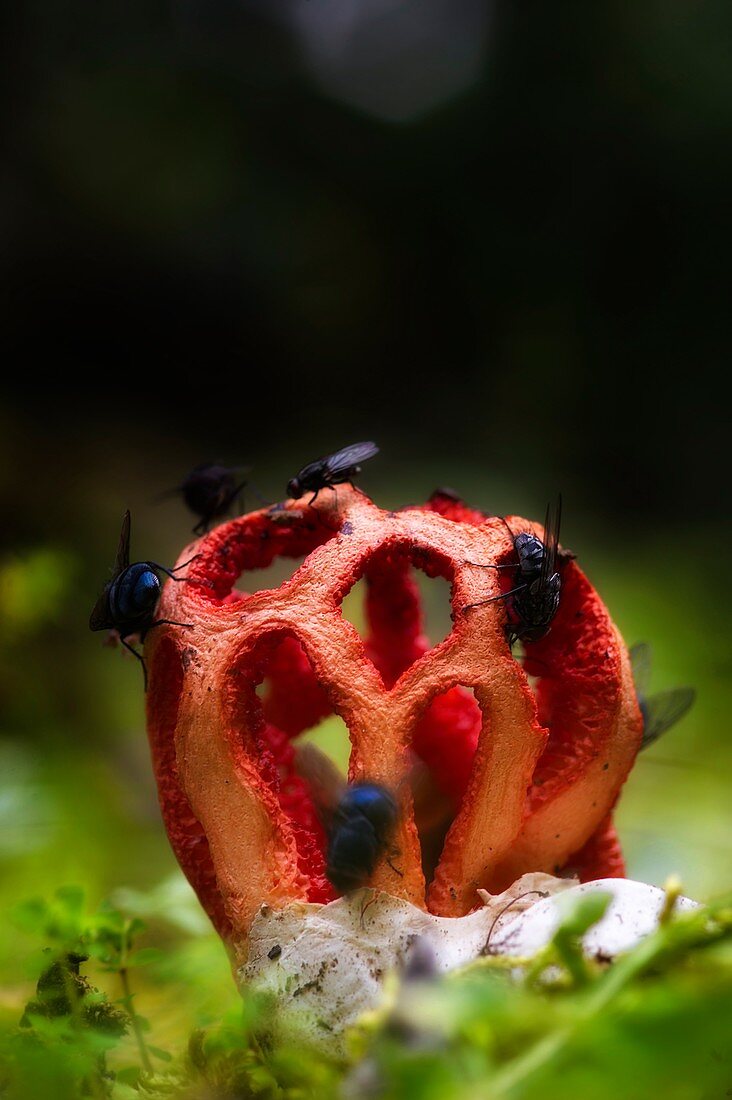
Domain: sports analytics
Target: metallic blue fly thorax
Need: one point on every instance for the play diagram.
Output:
(530, 551)
(363, 821)
(372, 802)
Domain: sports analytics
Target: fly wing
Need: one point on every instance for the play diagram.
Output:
(99, 618)
(664, 710)
(432, 808)
(123, 549)
(341, 463)
(640, 663)
(551, 539)
(327, 785)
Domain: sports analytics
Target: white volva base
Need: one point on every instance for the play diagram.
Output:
(326, 964)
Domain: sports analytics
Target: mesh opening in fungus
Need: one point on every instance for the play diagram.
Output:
(534, 771)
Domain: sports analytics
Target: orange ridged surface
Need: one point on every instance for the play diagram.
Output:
(535, 774)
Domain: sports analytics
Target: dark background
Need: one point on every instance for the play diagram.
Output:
(494, 238)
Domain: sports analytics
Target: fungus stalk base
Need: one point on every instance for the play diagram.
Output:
(323, 966)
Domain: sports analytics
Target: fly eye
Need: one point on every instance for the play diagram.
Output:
(293, 488)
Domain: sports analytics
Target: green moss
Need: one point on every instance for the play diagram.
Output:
(653, 1023)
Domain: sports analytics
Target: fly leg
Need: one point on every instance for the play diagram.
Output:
(394, 869)
(139, 657)
(492, 599)
(171, 572)
(181, 580)
(158, 622)
(168, 622)
(480, 565)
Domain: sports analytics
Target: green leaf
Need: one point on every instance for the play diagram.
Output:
(144, 956)
(163, 1055)
(130, 1075)
(72, 899)
(30, 915)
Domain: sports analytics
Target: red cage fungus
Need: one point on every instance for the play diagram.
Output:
(532, 754)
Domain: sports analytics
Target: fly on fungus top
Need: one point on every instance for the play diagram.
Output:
(528, 755)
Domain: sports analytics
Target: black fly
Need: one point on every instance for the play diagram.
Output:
(533, 600)
(665, 708)
(363, 822)
(331, 470)
(127, 604)
(209, 492)
(359, 819)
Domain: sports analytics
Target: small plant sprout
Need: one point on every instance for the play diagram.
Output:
(67, 1003)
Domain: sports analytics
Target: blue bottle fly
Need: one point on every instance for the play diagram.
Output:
(363, 822)
(128, 602)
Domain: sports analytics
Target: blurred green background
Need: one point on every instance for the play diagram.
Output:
(488, 237)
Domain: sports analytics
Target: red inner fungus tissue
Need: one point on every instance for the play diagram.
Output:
(525, 754)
